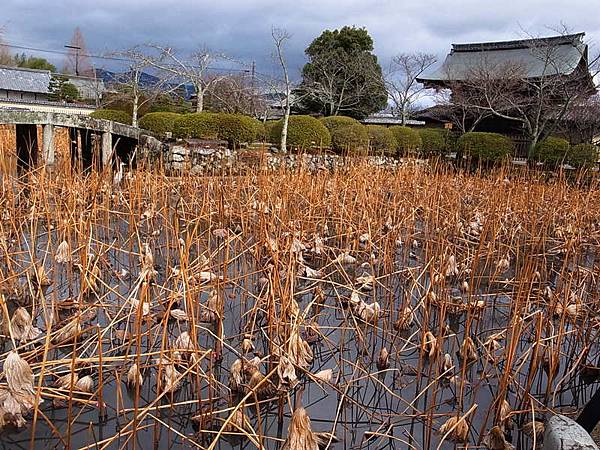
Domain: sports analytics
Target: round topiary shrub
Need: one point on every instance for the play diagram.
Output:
(583, 155)
(236, 128)
(114, 115)
(269, 133)
(203, 125)
(351, 139)
(433, 141)
(159, 122)
(260, 132)
(552, 151)
(381, 140)
(303, 132)
(334, 122)
(407, 139)
(485, 147)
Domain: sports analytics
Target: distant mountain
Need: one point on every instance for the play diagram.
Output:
(146, 81)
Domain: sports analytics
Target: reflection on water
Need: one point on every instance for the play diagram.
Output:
(402, 406)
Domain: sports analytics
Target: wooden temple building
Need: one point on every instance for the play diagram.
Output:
(559, 64)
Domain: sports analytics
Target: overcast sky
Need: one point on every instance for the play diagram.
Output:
(241, 28)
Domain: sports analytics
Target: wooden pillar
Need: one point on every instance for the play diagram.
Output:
(27, 146)
(75, 153)
(106, 148)
(48, 144)
(87, 149)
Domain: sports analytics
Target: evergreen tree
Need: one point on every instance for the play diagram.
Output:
(61, 90)
(33, 62)
(343, 76)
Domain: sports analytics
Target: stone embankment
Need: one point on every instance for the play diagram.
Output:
(208, 156)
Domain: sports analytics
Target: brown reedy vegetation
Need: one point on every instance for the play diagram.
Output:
(398, 299)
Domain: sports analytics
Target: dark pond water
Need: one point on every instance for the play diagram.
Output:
(405, 404)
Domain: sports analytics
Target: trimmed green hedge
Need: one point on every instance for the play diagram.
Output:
(583, 155)
(269, 133)
(351, 139)
(260, 131)
(159, 122)
(303, 132)
(334, 122)
(407, 139)
(381, 140)
(552, 151)
(236, 128)
(112, 114)
(485, 147)
(433, 141)
(233, 128)
(203, 125)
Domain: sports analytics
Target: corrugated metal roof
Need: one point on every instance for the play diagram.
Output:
(558, 55)
(26, 80)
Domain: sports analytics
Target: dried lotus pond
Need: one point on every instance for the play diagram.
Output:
(368, 308)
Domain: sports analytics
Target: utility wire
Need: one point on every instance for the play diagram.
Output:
(110, 58)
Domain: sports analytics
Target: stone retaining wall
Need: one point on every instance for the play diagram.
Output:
(204, 157)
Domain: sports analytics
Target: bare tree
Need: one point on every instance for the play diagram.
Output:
(6, 58)
(463, 104)
(280, 37)
(77, 61)
(401, 80)
(192, 69)
(536, 104)
(581, 124)
(235, 94)
(133, 88)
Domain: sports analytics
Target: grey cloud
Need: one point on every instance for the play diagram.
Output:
(241, 28)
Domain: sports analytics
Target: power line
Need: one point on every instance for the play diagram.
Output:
(104, 57)
(62, 52)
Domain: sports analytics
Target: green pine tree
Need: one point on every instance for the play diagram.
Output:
(61, 90)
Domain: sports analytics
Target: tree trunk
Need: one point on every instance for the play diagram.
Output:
(134, 112)
(199, 99)
(404, 114)
(284, 128)
(531, 150)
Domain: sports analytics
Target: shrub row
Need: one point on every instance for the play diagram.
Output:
(303, 132)
(334, 123)
(583, 155)
(554, 151)
(485, 147)
(434, 141)
(234, 128)
(112, 114)
(159, 122)
(408, 140)
(381, 140)
(347, 135)
(351, 139)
